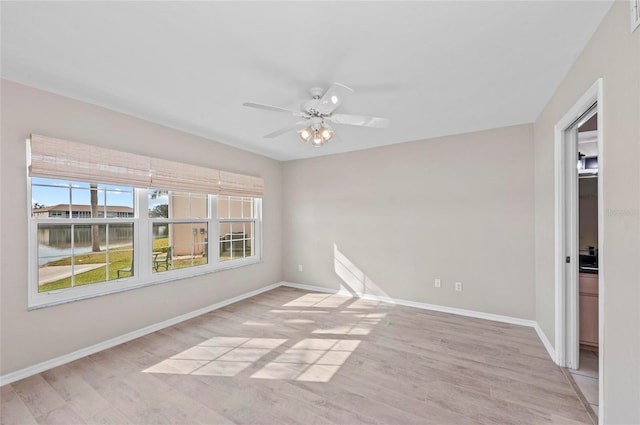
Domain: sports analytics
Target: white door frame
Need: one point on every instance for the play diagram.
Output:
(566, 325)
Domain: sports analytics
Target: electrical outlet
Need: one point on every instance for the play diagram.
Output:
(459, 286)
(299, 267)
(438, 283)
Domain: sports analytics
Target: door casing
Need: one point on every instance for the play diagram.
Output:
(566, 283)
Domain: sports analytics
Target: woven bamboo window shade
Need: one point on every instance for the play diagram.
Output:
(61, 159)
(56, 159)
(172, 175)
(240, 185)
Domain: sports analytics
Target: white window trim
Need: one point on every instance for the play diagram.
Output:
(142, 241)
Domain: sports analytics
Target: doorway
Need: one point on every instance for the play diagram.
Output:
(579, 228)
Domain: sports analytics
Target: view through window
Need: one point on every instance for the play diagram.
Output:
(90, 233)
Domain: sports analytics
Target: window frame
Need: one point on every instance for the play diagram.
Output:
(142, 250)
(257, 212)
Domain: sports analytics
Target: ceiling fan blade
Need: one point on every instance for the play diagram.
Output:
(285, 130)
(272, 108)
(333, 98)
(360, 120)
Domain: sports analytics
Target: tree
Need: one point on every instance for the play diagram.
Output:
(95, 229)
(38, 205)
(161, 210)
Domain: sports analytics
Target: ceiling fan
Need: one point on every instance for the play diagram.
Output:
(315, 114)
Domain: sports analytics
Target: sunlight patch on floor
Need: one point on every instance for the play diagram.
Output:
(315, 359)
(299, 321)
(311, 360)
(219, 356)
(299, 311)
(364, 323)
(254, 323)
(319, 300)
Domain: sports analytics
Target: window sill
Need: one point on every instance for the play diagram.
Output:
(63, 296)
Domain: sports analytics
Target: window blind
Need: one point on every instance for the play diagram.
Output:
(55, 158)
(241, 185)
(62, 159)
(172, 175)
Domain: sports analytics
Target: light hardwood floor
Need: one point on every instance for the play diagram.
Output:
(294, 357)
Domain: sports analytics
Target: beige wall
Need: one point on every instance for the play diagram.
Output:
(613, 54)
(30, 337)
(392, 219)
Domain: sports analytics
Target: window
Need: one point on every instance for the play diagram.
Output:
(139, 221)
(237, 217)
(180, 229)
(76, 246)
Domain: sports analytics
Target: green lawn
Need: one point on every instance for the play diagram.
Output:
(119, 259)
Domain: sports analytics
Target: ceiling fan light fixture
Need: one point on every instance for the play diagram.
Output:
(326, 133)
(305, 134)
(317, 140)
(314, 112)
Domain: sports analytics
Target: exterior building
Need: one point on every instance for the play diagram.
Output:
(80, 211)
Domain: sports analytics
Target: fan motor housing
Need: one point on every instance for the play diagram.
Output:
(316, 92)
(310, 105)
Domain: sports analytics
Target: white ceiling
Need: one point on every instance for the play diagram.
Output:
(432, 68)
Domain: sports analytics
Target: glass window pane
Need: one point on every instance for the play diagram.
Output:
(247, 208)
(225, 228)
(235, 207)
(223, 206)
(198, 206)
(250, 238)
(179, 205)
(54, 257)
(81, 201)
(120, 251)
(90, 268)
(74, 255)
(158, 203)
(172, 204)
(236, 240)
(229, 206)
(179, 245)
(119, 201)
(50, 198)
(89, 257)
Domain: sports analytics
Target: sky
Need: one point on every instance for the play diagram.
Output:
(49, 192)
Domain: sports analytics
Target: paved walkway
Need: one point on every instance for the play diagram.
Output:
(48, 274)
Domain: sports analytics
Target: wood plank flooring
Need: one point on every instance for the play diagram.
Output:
(295, 357)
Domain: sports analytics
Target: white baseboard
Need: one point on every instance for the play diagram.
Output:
(314, 288)
(545, 341)
(444, 309)
(416, 304)
(83, 352)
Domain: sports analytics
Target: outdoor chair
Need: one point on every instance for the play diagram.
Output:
(162, 261)
(127, 270)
